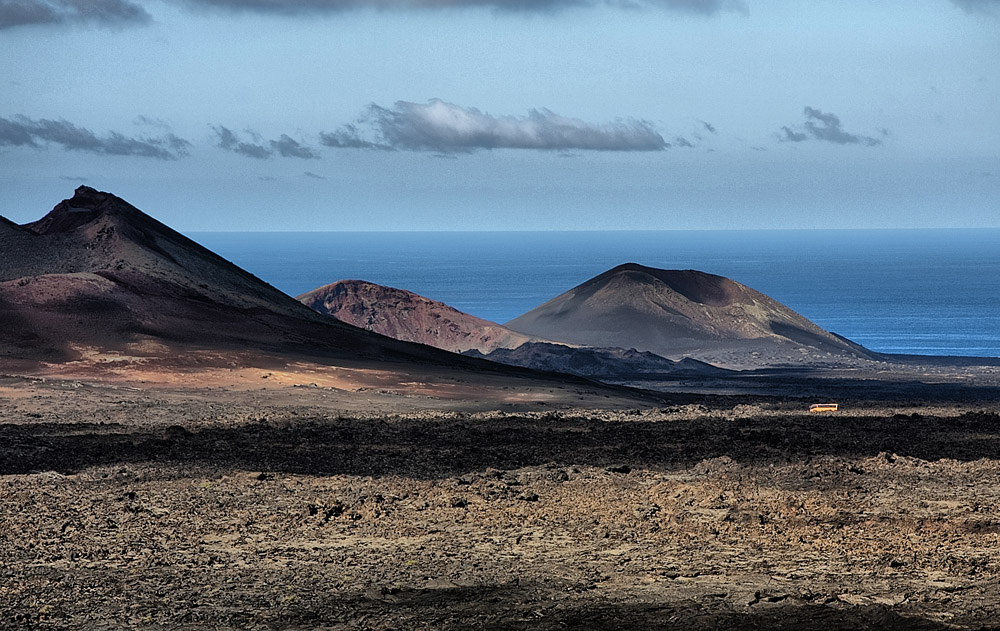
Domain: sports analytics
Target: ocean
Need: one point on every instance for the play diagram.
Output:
(930, 292)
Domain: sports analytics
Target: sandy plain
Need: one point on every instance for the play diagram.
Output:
(277, 500)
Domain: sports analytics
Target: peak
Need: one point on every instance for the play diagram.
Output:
(86, 205)
(363, 291)
(628, 267)
(85, 197)
(660, 273)
(696, 286)
(355, 286)
(83, 189)
(358, 284)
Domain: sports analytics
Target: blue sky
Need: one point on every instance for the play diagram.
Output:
(492, 115)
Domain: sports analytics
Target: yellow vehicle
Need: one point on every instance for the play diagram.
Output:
(824, 407)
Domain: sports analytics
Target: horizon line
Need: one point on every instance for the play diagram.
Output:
(602, 231)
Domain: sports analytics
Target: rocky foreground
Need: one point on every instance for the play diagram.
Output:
(170, 509)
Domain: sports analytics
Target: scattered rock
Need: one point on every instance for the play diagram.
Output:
(646, 511)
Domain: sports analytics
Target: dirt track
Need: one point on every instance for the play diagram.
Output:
(169, 511)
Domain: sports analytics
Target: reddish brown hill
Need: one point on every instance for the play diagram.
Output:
(677, 313)
(404, 315)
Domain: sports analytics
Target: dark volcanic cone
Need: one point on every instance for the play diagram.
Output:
(97, 273)
(675, 313)
(98, 233)
(404, 315)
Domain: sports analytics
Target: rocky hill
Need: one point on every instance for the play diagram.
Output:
(407, 316)
(677, 313)
(404, 315)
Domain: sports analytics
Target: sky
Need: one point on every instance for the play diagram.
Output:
(347, 115)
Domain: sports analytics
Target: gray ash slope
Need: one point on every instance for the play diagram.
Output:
(680, 313)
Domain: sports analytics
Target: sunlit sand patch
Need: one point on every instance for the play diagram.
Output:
(94, 355)
(213, 370)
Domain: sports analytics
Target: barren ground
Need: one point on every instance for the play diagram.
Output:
(313, 508)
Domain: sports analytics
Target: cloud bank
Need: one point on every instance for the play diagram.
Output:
(21, 131)
(441, 127)
(295, 7)
(118, 13)
(989, 7)
(100, 12)
(284, 146)
(824, 127)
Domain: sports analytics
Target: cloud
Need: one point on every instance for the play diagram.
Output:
(299, 7)
(989, 7)
(789, 135)
(314, 176)
(112, 13)
(229, 142)
(288, 148)
(825, 127)
(118, 13)
(284, 146)
(441, 127)
(21, 131)
(146, 121)
(349, 137)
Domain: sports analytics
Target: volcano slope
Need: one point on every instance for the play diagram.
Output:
(683, 313)
(97, 289)
(97, 272)
(404, 315)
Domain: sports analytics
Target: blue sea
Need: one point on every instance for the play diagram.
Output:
(932, 292)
